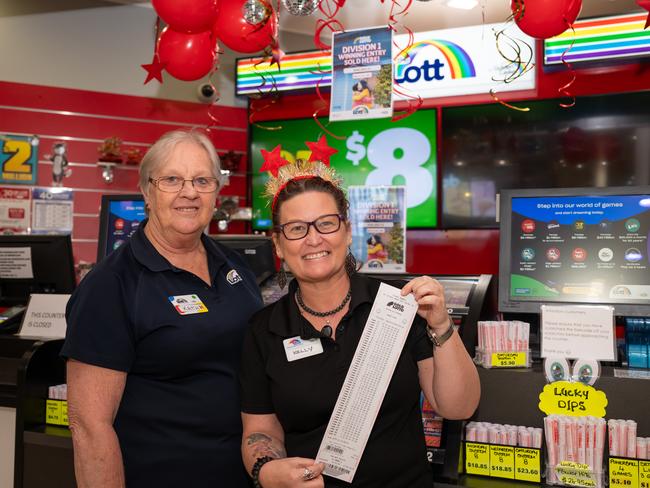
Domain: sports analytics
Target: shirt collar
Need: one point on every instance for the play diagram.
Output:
(145, 252)
(287, 321)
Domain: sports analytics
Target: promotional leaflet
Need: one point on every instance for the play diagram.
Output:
(15, 214)
(18, 159)
(378, 219)
(52, 211)
(362, 74)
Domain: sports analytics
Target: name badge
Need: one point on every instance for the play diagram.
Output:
(296, 348)
(188, 304)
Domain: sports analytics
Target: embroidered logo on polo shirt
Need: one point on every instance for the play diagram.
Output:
(233, 277)
(188, 304)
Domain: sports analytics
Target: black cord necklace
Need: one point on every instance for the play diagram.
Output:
(315, 313)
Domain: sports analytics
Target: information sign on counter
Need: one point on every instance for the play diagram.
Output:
(572, 398)
(644, 474)
(502, 462)
(527, 464)
(508, 359)
(578, 331)
(45, 316)
(499, 461)
(575, 474)
(477, 459)
(628, 473)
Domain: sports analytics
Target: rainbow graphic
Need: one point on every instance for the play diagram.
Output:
(601, 38)
(295, 342)
(459, 62)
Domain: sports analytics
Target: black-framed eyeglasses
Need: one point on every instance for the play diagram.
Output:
(297, 229)
(174, 184)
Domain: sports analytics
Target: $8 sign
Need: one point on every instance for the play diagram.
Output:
(396, 152)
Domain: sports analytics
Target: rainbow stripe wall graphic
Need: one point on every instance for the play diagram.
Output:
(602, 38)
(299, 71)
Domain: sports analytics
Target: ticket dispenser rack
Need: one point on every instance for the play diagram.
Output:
(469, 298)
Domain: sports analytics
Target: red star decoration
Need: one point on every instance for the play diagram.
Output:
(154, 70)
(646, 5)
(272, 160)
(320, 151)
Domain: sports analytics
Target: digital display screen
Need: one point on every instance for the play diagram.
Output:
(369, 152)
(591, 249)
(124, 217)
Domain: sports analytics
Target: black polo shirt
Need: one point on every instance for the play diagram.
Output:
(302, 393)
(179, 420)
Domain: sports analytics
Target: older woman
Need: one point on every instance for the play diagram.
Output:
(154, 337)
(287, 404)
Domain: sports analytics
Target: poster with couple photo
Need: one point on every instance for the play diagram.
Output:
(378, 219)
(362, 74)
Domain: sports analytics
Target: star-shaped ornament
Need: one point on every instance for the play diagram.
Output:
(272, 160)
(154, 70)
(320, 151)
(646, 5)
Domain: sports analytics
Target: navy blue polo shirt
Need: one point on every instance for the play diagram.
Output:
(179, 420)
(302, 393)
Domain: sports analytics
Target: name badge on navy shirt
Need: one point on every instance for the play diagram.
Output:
(296, 348)
(188, 304)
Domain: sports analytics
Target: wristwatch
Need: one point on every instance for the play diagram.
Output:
(439, 340)
(255, 472)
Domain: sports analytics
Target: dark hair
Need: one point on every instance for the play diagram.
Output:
(376, 237)
(299, 186)
(360, 85)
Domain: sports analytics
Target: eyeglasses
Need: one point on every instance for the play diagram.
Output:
(174, 184)
(297, 229)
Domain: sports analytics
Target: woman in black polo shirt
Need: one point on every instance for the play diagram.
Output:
(286, 405)
(154, 339)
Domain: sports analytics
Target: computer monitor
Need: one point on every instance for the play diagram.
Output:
(119, 218)
(575, 246)
(35, 264)
(257, 251)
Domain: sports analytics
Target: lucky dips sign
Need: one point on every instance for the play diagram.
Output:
(461, 61)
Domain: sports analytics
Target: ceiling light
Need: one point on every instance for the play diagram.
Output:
(462, 4)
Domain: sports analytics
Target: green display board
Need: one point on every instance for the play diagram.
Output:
(372, 152)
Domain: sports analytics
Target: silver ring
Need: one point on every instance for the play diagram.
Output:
(307, 474)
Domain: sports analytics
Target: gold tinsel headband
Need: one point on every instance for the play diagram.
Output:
(282, 171)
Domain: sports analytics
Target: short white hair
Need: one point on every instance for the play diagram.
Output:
(159, 152)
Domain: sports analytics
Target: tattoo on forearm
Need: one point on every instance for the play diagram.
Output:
(264, 445)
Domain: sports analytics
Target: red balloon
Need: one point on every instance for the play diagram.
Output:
(233, 30)
(545, 18)
(188, 16)
(187, 56)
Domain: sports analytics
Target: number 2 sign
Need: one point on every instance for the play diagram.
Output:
(18, 159)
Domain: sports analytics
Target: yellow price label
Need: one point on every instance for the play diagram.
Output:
(477, 459)
(575, 474)
(502, 462)
(623, 473)
(53, 412)
(527, 464)
(572, 398)
(508, 359)
(644, 474)
(64, 413)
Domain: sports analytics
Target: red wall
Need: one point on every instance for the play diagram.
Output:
(83, 119)
(475, 251)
